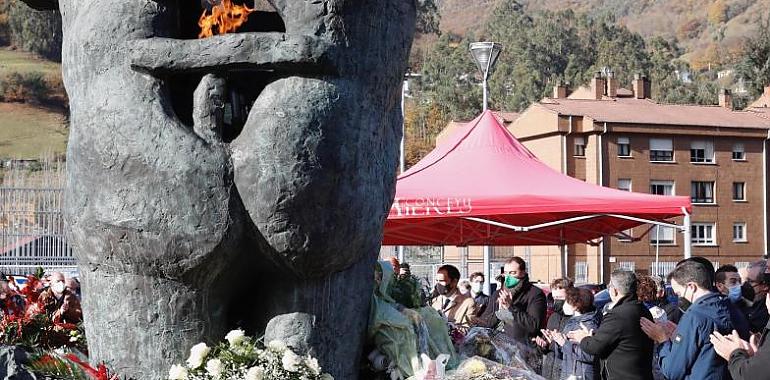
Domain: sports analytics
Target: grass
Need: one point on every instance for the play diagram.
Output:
(28, 132)
(23, 62)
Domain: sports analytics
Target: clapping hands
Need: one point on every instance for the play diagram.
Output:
(577, 336)
(725, 345)
(658, 332)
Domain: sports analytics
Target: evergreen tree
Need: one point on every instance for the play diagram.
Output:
(754, 67)
(39, 32)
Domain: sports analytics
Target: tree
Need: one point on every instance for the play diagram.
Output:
(39, 32)
(428, 17)
(754, 67)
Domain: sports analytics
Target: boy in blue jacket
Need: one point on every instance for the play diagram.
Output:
(686, 351)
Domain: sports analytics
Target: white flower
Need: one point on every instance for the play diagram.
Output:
(177, 372)
(197, 353)
(312, 364)
(235, 337)
(215, 367)
(290, 361)
(327, 376)
(73, 339)
(276, 345)
(255, 373)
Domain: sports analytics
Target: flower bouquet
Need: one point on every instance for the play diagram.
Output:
(478, 368)
(242, 357)
(68, 366)
(26, 324)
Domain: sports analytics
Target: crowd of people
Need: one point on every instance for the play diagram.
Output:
(57, 295)
(715, 325)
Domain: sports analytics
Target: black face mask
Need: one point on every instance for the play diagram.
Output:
(558, 305)
(442, 289)
(684, 303)
(747, 291)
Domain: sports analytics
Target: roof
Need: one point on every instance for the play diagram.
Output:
(646, 111)
(506, 117)
(763, 101)
(481, 181)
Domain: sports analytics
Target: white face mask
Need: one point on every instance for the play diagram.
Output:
(476, 287)
(567, 309)
(57, 287)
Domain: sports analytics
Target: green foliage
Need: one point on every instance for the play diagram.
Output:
(29, 87)
(39, 32)
(428, 17)
(448, 79)
(754, 67)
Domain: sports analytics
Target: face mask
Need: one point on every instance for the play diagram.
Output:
(463, 291)
(558, 306)
(567, 309)
(748, 291)
(511, 281)
(684, 303)
(476, 287)
(58, 287)
(441, 289)
(734, 294)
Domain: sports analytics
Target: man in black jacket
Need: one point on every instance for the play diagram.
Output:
(747, 360)
(519, 305)
(624, 349)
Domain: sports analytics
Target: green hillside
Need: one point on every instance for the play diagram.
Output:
(709, 30)
(28, 132)
(23, 62)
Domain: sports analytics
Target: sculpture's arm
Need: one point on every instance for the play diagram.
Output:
(254, 51)
(43, 5)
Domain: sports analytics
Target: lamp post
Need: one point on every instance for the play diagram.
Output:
(402, 147)
(485, 55)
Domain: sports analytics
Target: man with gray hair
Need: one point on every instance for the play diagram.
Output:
(624, 350)
(754, 290)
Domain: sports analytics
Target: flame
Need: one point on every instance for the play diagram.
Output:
(225, 17)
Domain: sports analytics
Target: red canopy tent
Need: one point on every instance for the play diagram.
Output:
(483, 187)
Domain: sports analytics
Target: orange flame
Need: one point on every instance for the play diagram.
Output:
(225, 17)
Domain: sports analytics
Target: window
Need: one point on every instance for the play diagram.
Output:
(581, 272)
(626, 265)
(663, 268)
(662, 187)
(661, 150)
(739, 232)
(739, 191)
(703, 234)
(624, 184)
(742, 264)
(580, 146)
(624, 147)
(702, 152)
(662, 235)
(702, 192)
(739, 154)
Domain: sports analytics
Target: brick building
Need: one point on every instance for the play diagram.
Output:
(620, 138)
(617, 137)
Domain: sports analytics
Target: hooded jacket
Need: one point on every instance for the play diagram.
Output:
(576, 361)
(689, 354)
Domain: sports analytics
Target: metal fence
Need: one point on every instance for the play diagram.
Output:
(31, 220)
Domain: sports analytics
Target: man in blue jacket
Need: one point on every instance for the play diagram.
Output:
(686, 352)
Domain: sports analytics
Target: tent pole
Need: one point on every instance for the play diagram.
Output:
(487, 269)
(564, 253)
(657, 251)
(687, 234)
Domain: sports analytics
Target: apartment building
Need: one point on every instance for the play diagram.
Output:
(620, 138)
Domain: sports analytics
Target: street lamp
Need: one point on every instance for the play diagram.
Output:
(485, 54)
